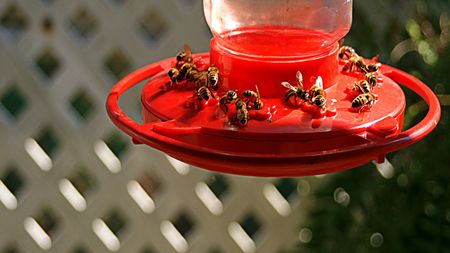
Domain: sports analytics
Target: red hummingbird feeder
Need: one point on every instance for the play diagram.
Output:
(261, 46)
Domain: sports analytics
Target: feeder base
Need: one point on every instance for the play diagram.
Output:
(283, 139)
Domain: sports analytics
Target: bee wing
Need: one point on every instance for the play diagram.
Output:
(287, 85)
(257, 90)
(341, 42)
(299, 77)
(187, 50)
(375, 58)
(319, 82)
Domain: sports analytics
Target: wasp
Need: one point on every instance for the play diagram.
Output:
(316, 94)
(184, 56)
(346, 52)
(363, 100)
(213, 77)
(242, 114)
(355, 63)
(363, 86)
(254, 98)
(296, 92)
(227, 99)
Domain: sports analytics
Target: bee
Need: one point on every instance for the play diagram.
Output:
(371, 68)
(199, 78)
(320, 101)
(296, 92)
(363, 100)
(213, 77)
(173, 75)
(363, 86)
(316, 94)
(242, 114)
(184, 56)
(346, 52)
(203, 93)
(355, 63)
(187, 71)
(227, 99)
(372, 79)
(254, 98)
(316, 89)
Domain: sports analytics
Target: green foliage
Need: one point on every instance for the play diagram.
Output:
(361, 211)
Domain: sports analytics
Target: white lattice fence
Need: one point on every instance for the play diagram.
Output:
(71, 182)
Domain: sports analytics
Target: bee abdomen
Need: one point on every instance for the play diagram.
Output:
(289, 94)
(242, 116)
(240, 104)
(204, 93)
(320, 101)
(358, 101)
(258, 105)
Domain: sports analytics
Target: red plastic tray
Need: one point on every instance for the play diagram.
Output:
(292, 144)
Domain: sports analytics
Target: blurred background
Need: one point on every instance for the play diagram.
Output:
(71, 182)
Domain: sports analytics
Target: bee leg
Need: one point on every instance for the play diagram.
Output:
(362, 108)
(287, 97)
(360, 89)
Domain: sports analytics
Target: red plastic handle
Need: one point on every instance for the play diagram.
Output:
(402, 140)
(426, 125)
(116, 114)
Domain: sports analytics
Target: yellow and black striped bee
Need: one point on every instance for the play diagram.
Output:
(253, 98)
(227, 99)
(316, 89)
(242, 115)
(199, 78)
(184, 56)
(372, 79)
(346, 52)
(363, 100)
(296, 92)
(187, 71)
(371, 68)
(355, 63)
(213, 77)
(362, 86)
(316, 94)
(203, 93)
(173, 75)
(320, 101)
